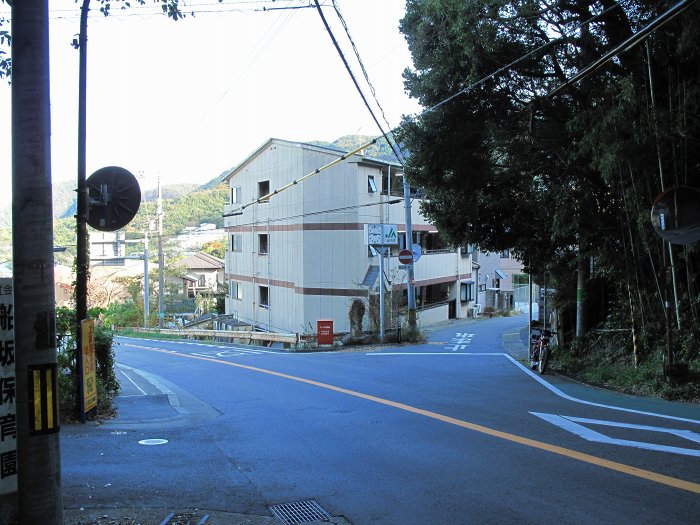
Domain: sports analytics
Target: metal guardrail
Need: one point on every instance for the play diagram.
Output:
(226, 334)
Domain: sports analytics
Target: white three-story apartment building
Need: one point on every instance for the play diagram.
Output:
(301, 256)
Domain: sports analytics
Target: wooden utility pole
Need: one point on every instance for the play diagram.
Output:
(37, 422)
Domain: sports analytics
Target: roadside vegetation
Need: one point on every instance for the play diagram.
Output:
(604, 364)
(107, 382)
(565, 177)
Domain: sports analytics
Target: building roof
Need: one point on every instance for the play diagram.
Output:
(331, 150)
(202, 261)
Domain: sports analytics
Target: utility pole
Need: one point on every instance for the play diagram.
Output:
(36, 424)
(581, 294)
(146, 290)
(409, 246)
(161, 285)
(81, 216)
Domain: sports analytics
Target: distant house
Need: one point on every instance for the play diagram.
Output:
(202, 272)
(501, 282)
(194, 237)
(106, 248)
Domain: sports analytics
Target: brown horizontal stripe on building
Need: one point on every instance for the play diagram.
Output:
(341, 292)
(318, 226)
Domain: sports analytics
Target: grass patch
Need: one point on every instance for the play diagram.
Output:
(616, 371)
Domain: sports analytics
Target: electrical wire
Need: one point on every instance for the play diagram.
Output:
(321, 212)
(259, 48)
(338, 160)
(364, 72)
(515, 62)
(357, 86)
(627, 44)
(192, 9)
(635, 39)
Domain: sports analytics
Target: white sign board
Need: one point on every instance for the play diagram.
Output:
(381, 234)
(8, 385)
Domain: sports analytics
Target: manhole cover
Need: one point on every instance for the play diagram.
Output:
(153, 442)
(299, 512)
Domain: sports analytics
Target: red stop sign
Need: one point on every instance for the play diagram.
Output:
(405, 256)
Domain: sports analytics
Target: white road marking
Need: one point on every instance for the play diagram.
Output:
(461, 341)
(226, 351)
(570, 424)
(541, 381)
(121, 369)
(561, 394)
(380, 354)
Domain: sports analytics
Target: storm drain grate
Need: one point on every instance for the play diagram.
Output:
(300, 512)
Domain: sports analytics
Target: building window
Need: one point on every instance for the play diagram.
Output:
(236, 243)
(263, 189)
(236, 195)
(264, 297)
(520, 279)
(371, 185)
(202, 281)
(505, 254)
(263, 244)
(236, 290)
(466, 292)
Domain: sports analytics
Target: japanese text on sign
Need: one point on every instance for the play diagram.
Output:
(89, 369)
(8, 408)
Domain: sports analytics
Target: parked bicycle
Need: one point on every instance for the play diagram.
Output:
(539, 346)
(535, 332)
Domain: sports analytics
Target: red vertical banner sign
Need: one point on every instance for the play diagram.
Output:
(8, 407)
(89, 367)
(325, 331)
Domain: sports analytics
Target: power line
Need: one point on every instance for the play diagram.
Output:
(321, 212)
(635, 39)
(515, 62)
(357, 86)
(194, 9)
(364, 71)
(259, 48)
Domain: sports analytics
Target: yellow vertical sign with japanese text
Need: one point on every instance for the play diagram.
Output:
(87, 330)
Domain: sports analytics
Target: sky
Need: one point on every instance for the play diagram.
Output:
(184, 101)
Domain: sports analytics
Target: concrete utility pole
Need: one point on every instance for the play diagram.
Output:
(146, 288)
(161, 284)
(37, 419)
(409, 246)
(81, 216)
(581, 295)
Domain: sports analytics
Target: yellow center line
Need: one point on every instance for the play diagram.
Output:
(573, 454)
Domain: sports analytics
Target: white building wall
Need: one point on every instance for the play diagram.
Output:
(317, 257)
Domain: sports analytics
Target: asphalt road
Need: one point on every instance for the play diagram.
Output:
(454, 431)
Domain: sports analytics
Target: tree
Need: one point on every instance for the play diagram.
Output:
(215, 248)
(560, 179)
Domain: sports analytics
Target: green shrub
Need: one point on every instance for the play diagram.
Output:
(107, 382)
